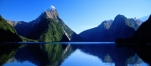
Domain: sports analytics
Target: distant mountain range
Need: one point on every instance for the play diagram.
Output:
(110, 30)
(143, 19)
(49, 27)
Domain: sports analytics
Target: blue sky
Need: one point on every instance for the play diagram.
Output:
(79, 15)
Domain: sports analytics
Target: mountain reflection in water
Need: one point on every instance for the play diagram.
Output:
(75, 54)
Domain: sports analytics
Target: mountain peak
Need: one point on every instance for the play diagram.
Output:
(119, 18)
(51, 12)
(119, 15)
(52, 7)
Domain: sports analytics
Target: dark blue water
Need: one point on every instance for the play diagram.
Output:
(84, 54)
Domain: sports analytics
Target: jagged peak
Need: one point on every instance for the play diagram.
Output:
(51, 8)
(51, 12)
(136, 18)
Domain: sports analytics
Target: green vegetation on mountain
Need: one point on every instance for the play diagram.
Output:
(9, 41)
(7, 51)
(47, 30)
(7, 34)
(5, 26)
(24, 39)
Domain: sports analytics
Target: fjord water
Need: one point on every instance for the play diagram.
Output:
(80, 54)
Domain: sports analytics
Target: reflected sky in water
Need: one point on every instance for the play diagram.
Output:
(25, 63)
(77, 58)
(66, 42)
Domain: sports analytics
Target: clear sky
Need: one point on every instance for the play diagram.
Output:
(79, 15)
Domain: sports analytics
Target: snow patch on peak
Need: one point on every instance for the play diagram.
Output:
(53, 7)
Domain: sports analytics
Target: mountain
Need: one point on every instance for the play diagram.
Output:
(141, 35)
(43, 54)
(7, 34)
(143, 32)
(109, 30)
(143, 19)
(139, 41)
(47, 27)
(94, 34)
(21, 26)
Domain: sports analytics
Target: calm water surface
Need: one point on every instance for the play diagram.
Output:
(78, 54)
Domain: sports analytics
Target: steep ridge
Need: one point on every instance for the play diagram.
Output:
(120, 28)
(47, 30)
(7, 34)
(98, 33)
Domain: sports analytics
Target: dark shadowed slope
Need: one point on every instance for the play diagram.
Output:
(144, 31)
(7, 34)
(141, 40)
(110, 30)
